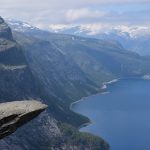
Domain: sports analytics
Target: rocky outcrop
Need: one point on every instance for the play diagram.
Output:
(17, 113)
(16, 81)
(5, 31)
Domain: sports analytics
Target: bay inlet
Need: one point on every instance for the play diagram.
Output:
(121, 116)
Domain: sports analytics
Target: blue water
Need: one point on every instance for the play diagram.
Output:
(122, 116)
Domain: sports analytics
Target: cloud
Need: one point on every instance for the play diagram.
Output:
(43, 13)
(120, 1)
(84, 13)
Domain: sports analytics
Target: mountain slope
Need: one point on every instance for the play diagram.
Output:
(133, 38)
(100, 60)
(58, 71)
(103, 60)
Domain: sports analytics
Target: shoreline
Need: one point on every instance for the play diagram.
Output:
(84, 98)
(85, 125)
(100, 92)
(105, 91)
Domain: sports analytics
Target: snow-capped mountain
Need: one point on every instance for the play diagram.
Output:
(134, 38)
(98, 29)
(20, 25)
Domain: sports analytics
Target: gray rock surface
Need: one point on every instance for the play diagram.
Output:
(15, 114)
(5, 31)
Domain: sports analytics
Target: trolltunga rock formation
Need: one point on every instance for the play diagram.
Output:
(17, 113)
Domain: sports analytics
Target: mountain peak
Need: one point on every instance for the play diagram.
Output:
(1, 20)
(20, 26)
(5, 31)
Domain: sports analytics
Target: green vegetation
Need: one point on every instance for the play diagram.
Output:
(71, 136)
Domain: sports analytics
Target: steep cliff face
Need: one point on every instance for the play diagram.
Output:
(100, 60)
(60, 76)
(5, 31)
(15, 76)
(17, 83)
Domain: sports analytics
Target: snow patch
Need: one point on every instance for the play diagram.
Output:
(146, 77)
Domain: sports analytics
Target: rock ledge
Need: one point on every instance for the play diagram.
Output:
(17, 113)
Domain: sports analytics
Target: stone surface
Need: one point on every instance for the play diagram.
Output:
(15, 114)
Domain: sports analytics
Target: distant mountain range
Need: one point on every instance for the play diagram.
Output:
(133, 38)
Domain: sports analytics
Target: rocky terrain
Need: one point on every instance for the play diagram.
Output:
(13, 67)
(17, 113)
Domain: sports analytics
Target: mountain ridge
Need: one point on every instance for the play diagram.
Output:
(73, 46)
(133, 38)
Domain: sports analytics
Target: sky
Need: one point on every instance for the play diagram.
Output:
(42, 13)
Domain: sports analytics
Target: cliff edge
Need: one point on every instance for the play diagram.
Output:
(17, 113)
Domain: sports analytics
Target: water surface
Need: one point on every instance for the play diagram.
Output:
(122, 116)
